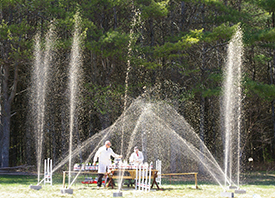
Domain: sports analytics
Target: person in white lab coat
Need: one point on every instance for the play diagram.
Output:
(136, 157)
(104, 153)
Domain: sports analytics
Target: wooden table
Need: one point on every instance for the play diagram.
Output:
(129, 174)
(114, 174)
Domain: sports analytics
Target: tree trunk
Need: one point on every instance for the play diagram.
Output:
(172, 23)
(202, 100)
(1, 12)
(1, 111)
(182, 6)
(29, 147)
(273, 102)
(152, 40)
(7, 100)
(115, 18)
(6, 113)
(272, 81)
(6, 124)
(225, 2)
(240, 5)
(105, 120)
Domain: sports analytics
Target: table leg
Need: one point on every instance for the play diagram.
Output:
(110, 182)
(196, 182)
(111, 179)
(154, 181)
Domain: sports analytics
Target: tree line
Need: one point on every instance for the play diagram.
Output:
(174, 49)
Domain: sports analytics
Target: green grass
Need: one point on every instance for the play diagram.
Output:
(18, 186)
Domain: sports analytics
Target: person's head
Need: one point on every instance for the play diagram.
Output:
(136, 149)
(108, 144)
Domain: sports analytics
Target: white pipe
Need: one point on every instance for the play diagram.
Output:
(136, 178)
(146, 180)
(51, 172)
(45, 171)
(139, 174)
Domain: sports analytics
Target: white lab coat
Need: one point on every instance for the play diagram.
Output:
(104, 158)
(136, 159)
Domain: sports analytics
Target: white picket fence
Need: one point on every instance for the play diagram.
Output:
(48, 171)
(143, 177)
(158, 168)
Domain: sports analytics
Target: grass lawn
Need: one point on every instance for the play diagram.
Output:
(16, 186)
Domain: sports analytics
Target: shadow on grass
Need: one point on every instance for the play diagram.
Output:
(25, 179)
(260, 178)
(17, 179)
(178, 188)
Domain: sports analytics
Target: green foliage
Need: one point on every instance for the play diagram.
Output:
(189, 72)
(7, 3)
(262, 35)
(268, 35)
(262, 59)
(20, 46)
(170, 50)
(153, 9)
(211, 92)
(222, 32)
(4, 29)
(267, 156)
(150, 65)
(187, 96)
(14, 31)
(262, 90)
(113, 43)
(213, 79)
(268, 5)
(102, 97)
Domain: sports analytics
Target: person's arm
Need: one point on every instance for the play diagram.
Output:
(115, 155)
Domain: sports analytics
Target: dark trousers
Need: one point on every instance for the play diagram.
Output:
(99, 179)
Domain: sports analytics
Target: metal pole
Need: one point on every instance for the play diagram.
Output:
(146, 180)
(51, 172)
(139, 174)
(136, 177)
(45, 171)
(48, 171)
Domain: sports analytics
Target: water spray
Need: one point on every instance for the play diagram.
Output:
(232, 109)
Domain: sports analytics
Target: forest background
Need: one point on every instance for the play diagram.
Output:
(175, 50)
